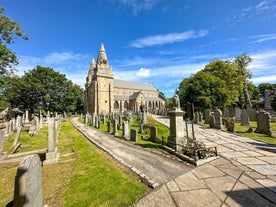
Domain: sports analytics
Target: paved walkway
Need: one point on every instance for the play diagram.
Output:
(244, 175)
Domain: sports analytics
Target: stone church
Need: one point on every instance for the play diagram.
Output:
(105, 94)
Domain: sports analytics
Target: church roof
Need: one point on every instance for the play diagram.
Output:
(133, 85)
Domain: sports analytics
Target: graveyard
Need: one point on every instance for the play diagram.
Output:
(120, 140)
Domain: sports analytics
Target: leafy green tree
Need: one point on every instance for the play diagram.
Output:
(9, 30)
(242, 62)
(263, 86)
(229, 73)
(44, 89)
(204, 91)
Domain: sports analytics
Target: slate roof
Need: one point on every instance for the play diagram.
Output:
(133, 85)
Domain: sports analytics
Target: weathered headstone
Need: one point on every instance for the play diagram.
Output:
(125, 130)
(133, 135)
(109, 126)
(244, 118)
(211, 121)
(28, 183)
(153, 134)
(2, 134)
(115, 123)
(238, 112)
(177, 125)
(206, 115)
(218, 119)
(263, 123)
(52, 156)
(267, 101)
(196, 119)
(18, 131)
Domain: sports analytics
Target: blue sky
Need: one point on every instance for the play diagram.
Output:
(151, 41)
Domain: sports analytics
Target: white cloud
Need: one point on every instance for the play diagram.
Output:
(263, 38)
(139, 5)
(143, 72)
(167, 38)
(73, 65)
(264, 79)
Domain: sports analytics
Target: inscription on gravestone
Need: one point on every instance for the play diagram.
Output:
(28, 183)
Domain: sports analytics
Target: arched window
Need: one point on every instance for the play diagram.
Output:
(116, 105)
(149, 104)
(125, 105)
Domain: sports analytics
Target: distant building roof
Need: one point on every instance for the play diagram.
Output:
(133, 85)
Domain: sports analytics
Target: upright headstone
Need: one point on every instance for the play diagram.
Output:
(109, 126)
(99, 123)
(2, 136)
(27, 117)
(125, 130)
(52, 156)
(267, 100)
(238, 112)
(218, 119)
(244, 118)
(144, 117)
(115, 123)
(263, 123)
(177, 125)
(28, 183)
(196, 120)
(207, 114)
(153, 134)
(211, 121)
(133, 135)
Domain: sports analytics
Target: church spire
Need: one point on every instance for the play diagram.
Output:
(102, 59)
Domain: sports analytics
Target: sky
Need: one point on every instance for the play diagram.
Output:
(159, 42)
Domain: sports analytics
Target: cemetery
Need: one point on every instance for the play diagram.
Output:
(123, 143)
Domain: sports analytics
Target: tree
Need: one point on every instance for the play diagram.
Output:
(43, 89)
(263, 86)
(204, 91)
(229, 73)
(242, 62)
(8, 31)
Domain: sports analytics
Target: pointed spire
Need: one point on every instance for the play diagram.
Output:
(102, 59)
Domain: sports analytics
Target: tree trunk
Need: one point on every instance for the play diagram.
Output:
(246, 95)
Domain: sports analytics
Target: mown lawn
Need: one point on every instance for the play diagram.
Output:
(84, 176)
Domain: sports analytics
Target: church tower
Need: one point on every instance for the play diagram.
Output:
(101, 85)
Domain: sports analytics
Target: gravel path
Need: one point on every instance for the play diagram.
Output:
(156, 166)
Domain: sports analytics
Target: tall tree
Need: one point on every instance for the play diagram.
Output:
(229, 73)
(204, 91)
(9, 29)
(44, 89)
(242, 62)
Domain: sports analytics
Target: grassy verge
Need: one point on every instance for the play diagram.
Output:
(84, 176)
(242, 131)
(144, 141)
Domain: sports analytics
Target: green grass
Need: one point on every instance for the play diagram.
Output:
(145, 142)
(84, 176)
(242, 131)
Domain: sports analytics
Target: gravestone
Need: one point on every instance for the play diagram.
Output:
(133, 135)
(153, 134)
(115, 123)
(99, 123)
(200, 116)
(96, 122)
(196, 120)
(18, 131)
(28, 183)
(238, 112)
(144, 117)
(244, 118)
(52, 156)
(2, 136)
(207, 113)
(27, 117)
(125, 130)
(263, 122)
(211, 121)
(267, 100)
(109, 126)
(218, 119)
(177, 125)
